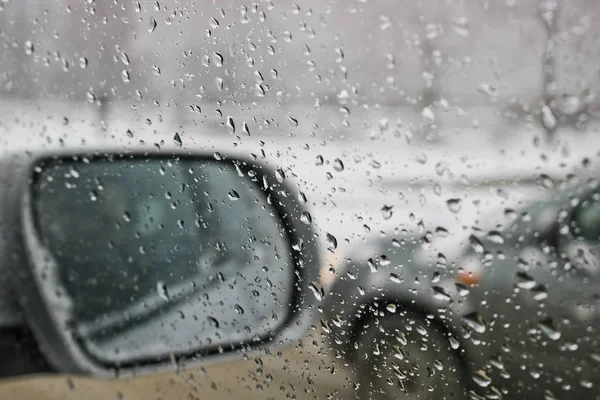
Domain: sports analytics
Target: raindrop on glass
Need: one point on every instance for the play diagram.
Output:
(161, 288)
(331, 241)
(280, 175)
(476, 244)
(317, 290)
(29, 48)
(547, 327)
(83, 62)
(293, 121)
(177, 139)
(218, 59)
(481, 378)
(387, 211)
(454, 205)
(233, 195)
(125, 77)
(213, 322)
(231, 124)
(475, 321)
(152, 25)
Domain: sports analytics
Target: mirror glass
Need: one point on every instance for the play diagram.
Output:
(160, 256)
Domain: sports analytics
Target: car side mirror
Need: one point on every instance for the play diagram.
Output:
(130, 263)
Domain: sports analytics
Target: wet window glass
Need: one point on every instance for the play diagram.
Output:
(443, 156)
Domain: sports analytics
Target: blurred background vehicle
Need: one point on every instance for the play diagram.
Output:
(435, 307)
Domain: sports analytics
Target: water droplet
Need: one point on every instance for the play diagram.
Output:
(481, 378)
(83, 62)
(325, 326)
(386, 211)
(317, 290)
(511, 214)
(539, 293)
(525, 281)
(302, 198)
(476, 244)
(475, 322)
(177, 139)
(440, 294)
(495, 237)
(231, 125)
(455, 344)
(319, 160)
(161, 288)
(460, 25)
(233, 195)
(454, 205)
(293, 121)
(91, 97)
(152, 25)
(306, 217)
(125, 59)
(548, 328)
(395, 278)
(29, 48)
(218, 59)
(546, 181)
(338, 165)
(331, 242)
(280, 175)
(548, 118)
(214, 23)
(391, 307)
(462, 289)
(125, 77)
(298, 245)
(212, 321)
(239, 309)
(586, 384)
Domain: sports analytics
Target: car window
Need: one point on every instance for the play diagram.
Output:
(435, 148)
(587, 220)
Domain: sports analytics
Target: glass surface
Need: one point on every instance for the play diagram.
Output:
(443, 148)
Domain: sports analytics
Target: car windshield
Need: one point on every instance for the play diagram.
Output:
(438, 151)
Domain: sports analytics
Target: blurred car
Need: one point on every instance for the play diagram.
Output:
(511, 310)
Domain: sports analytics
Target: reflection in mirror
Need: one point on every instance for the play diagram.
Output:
(162, 256)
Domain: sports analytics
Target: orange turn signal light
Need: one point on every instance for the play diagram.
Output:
(468, 276)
